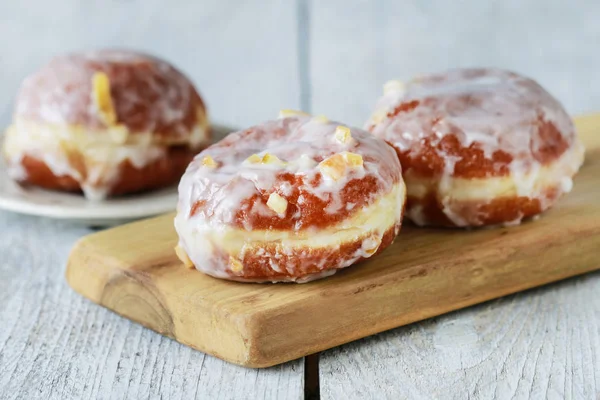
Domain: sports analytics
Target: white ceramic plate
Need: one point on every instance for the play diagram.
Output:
(74, 207)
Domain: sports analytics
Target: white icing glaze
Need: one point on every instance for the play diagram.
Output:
(486, 109)
(566, 184)
(299, 144)
(148, 94)
(495, 110)
(416, 215)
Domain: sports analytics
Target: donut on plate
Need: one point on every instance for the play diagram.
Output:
(478, 146)
(106, 122)
(293, 199)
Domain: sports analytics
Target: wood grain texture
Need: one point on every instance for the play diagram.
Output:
(54, 344)
(356, 46)
(427, 272)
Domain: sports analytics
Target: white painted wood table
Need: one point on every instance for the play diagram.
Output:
(249, 60)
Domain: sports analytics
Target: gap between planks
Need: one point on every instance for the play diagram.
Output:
(312, 387)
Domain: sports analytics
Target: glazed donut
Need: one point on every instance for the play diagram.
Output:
(293, 199)
(106, 122)
(478, 146)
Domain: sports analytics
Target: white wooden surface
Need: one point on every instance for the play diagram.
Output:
(55, 344)
(543, 344)
(249, 59)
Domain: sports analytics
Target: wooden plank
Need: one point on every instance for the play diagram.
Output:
(427, 272)
(541, 344)
(54, 344)
(355, 46)
(243, 58)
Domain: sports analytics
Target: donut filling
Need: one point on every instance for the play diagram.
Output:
(93, 158)
(453, 195)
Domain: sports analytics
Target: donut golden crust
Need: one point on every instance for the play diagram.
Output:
(102, 121)
(478, 146)
(289, 200)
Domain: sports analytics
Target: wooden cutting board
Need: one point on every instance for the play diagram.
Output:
(133, 271)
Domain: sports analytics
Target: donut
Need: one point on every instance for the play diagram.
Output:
(478, 147)
(289, 200)
(105, 123)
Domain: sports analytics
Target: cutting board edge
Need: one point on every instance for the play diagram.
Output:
(404, 321)
(376, 288)
(243, 329)
(256, 344)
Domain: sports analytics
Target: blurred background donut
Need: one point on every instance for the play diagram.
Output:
(478, 146)
(105, 122)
